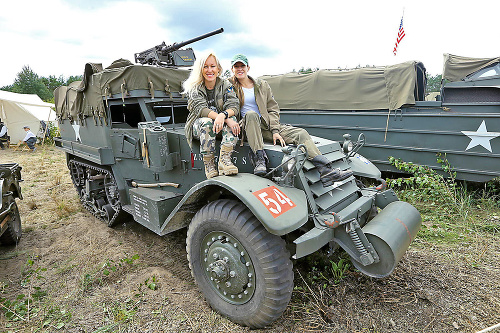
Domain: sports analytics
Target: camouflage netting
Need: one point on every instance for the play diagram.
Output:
(368, 88)
(86, 98)
(456, 68)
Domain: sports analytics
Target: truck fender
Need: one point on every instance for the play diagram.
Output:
(280, 209)
(361, 166)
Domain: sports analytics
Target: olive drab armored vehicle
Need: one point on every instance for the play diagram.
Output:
(389, 105)
(122, 129)
(10, 221)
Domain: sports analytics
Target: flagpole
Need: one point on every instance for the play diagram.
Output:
(401, 34)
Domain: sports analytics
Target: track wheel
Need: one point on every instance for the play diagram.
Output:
(244, 272)
(109, 212)
(13, 233)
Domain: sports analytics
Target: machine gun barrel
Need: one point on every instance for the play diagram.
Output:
(175, 46)
(171, 55)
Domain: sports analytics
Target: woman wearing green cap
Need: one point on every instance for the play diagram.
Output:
(213, 108)
(260, 115)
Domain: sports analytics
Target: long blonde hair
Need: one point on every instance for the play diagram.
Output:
(195, 79)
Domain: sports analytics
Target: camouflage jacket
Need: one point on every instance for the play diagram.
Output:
(225, 98)
(268, 107)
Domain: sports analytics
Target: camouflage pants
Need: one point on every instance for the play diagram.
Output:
(257, 131)
(203, 131)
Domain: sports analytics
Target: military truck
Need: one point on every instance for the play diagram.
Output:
(10, 221)
(122, 129)
(389, 106)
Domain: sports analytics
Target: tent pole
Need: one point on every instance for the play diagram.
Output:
(4, 117)
(47, 125)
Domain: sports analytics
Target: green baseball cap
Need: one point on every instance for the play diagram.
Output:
(239, 58)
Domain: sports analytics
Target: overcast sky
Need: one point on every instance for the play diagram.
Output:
(58, 37)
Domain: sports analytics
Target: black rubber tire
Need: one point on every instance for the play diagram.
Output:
(13, 233)
(270, 261)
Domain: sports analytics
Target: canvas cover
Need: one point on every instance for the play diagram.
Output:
(19, 110)
(455, 68)
(368, 88)
(86, 98)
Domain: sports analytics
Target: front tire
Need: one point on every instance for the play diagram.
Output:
(244, 272)
(13, 233)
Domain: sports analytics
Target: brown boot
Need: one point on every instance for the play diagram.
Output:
(210, 170)
(226, 167)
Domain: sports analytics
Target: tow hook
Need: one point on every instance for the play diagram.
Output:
(331, 220)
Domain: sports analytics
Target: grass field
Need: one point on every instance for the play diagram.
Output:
(71, 273)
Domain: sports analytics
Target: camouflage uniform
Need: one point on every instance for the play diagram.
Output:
(225, 98)
(203, 131)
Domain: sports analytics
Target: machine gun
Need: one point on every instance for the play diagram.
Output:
(170, 55)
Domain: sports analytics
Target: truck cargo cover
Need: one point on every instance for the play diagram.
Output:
(85, 98)
(456, 68)
(369, 88)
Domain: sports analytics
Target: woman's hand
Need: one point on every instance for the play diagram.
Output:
(276, 137)
(234, 126)
(219, 122)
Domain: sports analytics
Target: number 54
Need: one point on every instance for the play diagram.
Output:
(275, 201)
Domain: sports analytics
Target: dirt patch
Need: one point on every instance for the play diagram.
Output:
(86, 277)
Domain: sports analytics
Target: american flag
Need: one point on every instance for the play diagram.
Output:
(401, 34)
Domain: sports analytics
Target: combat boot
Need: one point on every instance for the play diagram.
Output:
(210, 170)
(226, 167)
(260, 163)
(327, 175)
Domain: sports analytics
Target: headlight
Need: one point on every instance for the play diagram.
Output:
(347, 145)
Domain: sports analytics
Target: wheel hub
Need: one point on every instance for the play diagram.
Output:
(220, 271)
(228, 266)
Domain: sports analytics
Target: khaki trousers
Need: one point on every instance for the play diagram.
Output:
(257, 131)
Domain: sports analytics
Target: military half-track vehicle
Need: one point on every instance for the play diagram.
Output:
(122, 129)
(10, 221)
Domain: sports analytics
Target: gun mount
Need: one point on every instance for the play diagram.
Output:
(171, 55)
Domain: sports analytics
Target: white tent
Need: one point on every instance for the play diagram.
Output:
(19, 110)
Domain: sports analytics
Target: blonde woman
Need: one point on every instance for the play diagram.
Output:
(260, 115)
(213, 108)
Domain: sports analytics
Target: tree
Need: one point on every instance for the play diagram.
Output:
(73, 78)
(28, 82)
(52, 82)
(308, 70)
(433, 83)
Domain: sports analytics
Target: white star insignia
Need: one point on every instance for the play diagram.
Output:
(480, 137)
(77, 132)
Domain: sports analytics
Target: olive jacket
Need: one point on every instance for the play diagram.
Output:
(268, 107)
(225, 98)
